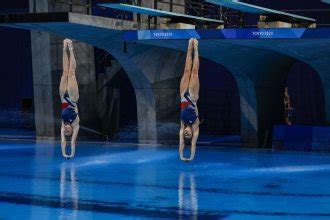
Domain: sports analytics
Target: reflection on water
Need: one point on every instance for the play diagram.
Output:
(69, 191)
(188, 198)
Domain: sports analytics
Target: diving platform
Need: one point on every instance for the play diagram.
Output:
(267, 15)
(128, 30)
(174, 16)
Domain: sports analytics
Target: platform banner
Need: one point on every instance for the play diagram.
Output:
(243, 33)
(267, 33)
(160, 35)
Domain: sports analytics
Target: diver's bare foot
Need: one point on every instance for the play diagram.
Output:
(65, 44)
(195, 44)
(191, 41)
(70, 44)
(190, 46)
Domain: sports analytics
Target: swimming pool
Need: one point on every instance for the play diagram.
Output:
(143, 182)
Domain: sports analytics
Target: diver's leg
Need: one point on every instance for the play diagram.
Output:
(194, 79)
(64, 78)
(72, 81)
(184, 84)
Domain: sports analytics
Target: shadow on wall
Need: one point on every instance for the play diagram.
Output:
(306, 94)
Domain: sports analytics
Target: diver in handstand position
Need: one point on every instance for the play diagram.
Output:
(189, 92)
(69, 98)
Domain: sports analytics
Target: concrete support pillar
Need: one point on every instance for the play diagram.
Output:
(42, 85)
(249, 114)
(145, 100)
(163, 68)
(42, 80)
(146, 113)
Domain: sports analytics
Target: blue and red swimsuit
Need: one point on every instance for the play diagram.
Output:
(69, 109)
(188, 109)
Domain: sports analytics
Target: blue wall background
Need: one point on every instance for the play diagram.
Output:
(16, 84)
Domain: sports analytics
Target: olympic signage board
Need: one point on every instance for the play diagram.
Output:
(250, 33)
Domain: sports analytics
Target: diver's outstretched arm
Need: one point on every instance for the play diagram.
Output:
(193, 143)
(182, 145)
(74, 139)
(63, 142)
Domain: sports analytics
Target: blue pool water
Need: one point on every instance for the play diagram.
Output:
(136, 182)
